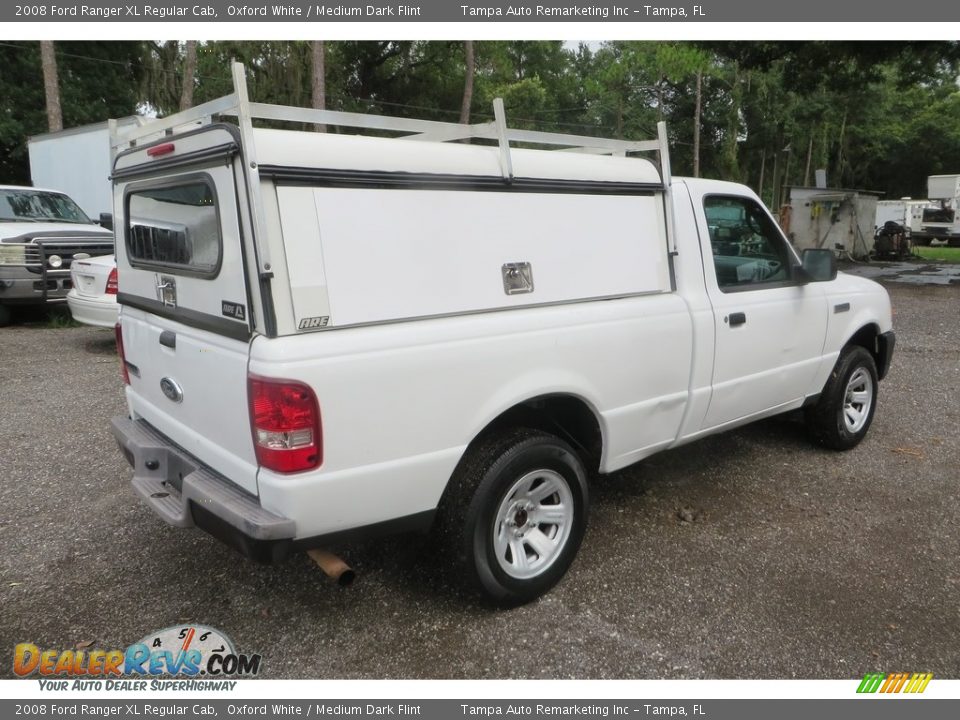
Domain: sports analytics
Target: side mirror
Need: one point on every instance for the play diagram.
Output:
(819, 265)
(106, 220)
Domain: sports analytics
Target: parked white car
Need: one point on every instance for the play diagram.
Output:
(93, 298)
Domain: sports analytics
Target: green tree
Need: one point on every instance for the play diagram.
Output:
(98, 80)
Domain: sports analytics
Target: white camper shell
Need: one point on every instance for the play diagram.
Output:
(328, 336)
(347, 249)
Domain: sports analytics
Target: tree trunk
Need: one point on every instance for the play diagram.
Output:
(189, 71)
(785, 185)
(169, 64)
(51, 85)
(470, 62)
(660, 82)
(318, 50)
(806, 173)
(696, 126)
(823, 159)
(763, 167)
(839, 176)
(729, 150)
(773, 187)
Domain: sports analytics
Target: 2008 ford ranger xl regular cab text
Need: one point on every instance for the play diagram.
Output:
(330, 336)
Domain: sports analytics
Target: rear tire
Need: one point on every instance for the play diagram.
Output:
(6, 316)
(514, 514)
(842, 416)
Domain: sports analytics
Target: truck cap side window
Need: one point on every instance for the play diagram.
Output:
(748, 250)
(175, 227)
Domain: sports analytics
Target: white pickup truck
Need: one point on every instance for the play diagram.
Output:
(330, 336)
(42, 232)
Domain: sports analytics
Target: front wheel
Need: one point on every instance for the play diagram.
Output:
(514, 514)
(842, 416)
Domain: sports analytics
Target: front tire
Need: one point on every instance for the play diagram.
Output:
(842, 416)
(514, 515)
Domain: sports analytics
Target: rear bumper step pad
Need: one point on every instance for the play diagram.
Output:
(186, 494)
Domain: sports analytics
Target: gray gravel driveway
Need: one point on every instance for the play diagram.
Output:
(746, 555)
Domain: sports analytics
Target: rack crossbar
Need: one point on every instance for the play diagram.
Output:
(237, 105)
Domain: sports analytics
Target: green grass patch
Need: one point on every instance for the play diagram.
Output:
(59, 317)
(938, 254)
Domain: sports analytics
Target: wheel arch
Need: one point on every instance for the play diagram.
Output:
(870, 338)
(568, 416)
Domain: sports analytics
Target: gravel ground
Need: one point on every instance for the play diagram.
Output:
(747, 555)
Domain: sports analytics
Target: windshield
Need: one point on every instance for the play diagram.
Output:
(39, 206)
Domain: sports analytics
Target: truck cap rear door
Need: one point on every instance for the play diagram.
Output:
(182, 283)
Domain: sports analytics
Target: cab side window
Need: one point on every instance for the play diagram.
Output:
(748, 250)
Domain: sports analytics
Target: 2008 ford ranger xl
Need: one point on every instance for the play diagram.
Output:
(328, 336)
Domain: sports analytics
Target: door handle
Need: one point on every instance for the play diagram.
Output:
(168, 338)
(737, 318)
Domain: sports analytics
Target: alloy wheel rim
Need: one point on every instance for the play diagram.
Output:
(533, 523)
(857, 400)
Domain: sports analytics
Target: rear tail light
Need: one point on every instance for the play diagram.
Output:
(285, 420)
(123, 358)
(112, 282)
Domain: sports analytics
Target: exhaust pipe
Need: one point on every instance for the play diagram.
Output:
(334, 568)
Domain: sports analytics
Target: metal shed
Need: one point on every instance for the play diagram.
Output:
(836, 218)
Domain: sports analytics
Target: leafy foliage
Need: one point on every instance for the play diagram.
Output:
(98, 80)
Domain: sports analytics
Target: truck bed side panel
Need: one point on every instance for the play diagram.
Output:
(400, 402)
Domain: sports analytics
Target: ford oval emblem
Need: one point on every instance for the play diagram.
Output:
(171, 389)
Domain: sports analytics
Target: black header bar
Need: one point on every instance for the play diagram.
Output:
(626, 11)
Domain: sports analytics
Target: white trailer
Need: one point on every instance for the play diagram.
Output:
(78, 162)
(940, 222)
(943, 187)
(905, 212)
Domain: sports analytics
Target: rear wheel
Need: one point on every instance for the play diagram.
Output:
(514, 515)
(6, 315)
(842, 416)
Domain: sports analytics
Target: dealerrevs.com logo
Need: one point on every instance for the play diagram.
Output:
(182, 651)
